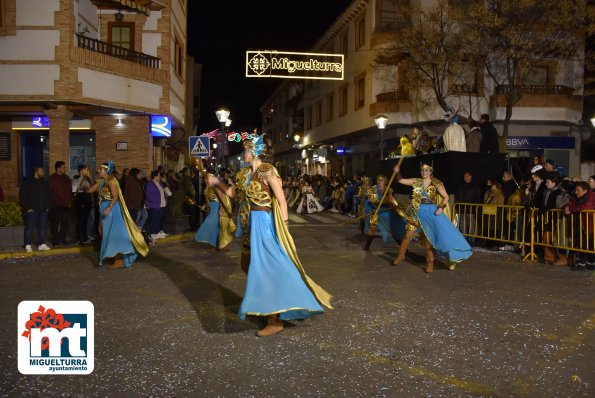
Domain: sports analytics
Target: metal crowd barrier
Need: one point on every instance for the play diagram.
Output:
(552, 233)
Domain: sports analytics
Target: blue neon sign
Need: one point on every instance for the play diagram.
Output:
(160, 126)
(40, 121)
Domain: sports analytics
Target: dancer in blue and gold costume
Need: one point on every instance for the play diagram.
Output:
(387, 220)
(121, 239)
(362, 192)
(428, 203)
(276, 285)
(217, 229)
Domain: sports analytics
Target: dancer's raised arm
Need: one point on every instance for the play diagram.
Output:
(400, 179)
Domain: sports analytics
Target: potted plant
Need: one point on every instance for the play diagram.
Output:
(12, 225)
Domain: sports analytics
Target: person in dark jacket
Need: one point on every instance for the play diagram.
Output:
(35, 200)
(545, 218)
(582, 225)
(61, 190)
(133, 193)
(509, 185)
(468, 193)
(489, 136)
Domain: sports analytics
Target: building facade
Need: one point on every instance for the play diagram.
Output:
(335, 119)
(86, 81)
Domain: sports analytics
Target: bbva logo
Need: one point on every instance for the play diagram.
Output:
(517, 141)
(56, 337)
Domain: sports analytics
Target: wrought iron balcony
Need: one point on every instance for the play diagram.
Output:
(393, 101)
(392, 96)
(117, 51)
(534, 89)
(464, 88)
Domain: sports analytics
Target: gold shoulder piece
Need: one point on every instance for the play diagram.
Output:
(437, 182)
(267, 169)
(242, 176)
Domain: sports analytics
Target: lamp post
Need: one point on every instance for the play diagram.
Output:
(380, 121)
(222, 116)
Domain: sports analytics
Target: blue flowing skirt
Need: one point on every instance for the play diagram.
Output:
(209, 230)
(442, 234)
(115, 238)
(390, 225)
(274, 285)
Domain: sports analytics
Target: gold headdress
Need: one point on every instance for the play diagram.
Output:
(425, 166)
(256, 145)
(108, 167)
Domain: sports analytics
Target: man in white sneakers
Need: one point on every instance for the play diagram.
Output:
(35, 199)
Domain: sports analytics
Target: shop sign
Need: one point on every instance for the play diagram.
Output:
(529, 142)
(40, 121)
(160, 126)
(343, 150)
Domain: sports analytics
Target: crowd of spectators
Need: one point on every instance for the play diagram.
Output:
(150, 197)
(554, 201)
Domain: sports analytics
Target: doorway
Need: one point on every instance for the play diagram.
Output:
(34, 152)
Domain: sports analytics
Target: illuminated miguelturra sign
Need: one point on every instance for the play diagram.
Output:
(294, 65)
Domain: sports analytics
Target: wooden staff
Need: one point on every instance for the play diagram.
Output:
(350, 221)
(374, 217)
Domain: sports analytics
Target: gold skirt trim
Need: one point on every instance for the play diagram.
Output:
(280, 312)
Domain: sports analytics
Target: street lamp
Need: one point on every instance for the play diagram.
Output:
(222, 116)
(381, 124)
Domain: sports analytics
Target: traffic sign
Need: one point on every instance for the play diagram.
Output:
(199, 146)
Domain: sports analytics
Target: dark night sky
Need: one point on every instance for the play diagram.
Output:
(220, 32)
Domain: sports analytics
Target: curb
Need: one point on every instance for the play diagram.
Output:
(21, 253)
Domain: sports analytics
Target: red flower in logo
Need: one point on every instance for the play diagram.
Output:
(45, 319)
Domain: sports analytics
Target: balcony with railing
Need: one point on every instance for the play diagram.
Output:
(464, 89)
(106, 57)
(533, 89)
(538, 96)
(392, 101)
(116, 51)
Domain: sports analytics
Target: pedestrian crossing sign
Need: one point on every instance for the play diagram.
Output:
(199, 146)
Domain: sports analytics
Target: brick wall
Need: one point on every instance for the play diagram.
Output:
(59, 137)
(135, 132)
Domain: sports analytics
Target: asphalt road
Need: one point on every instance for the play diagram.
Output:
(168, 327)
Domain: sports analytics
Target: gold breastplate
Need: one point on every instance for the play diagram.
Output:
(258, 191)
(105, 193)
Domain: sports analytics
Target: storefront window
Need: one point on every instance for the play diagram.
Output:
(82, 151)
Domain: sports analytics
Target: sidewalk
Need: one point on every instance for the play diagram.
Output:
(19, 252)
